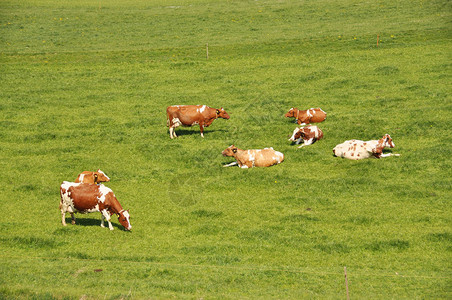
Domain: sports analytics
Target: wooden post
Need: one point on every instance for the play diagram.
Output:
(346, 283)
(207, 51)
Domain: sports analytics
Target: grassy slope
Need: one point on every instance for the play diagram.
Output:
(85, 85)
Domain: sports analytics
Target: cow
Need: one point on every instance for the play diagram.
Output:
(86, 198)
(189, 115)
(357, 149)
(303, 117)
(92, 177)
(308, 135)
(253, 158)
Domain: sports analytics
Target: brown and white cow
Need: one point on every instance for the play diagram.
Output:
(303, 117)
(189, 115)
(357, 149)
(253, 158)
(308, 135)
(92, 177)
(86, 198)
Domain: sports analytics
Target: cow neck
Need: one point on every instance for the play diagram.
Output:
(298, 112)
(115, 206)
(211, 119)
(238, 156)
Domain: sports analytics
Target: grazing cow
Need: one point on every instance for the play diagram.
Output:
(253, 158)
(356, 149)
(86, 198)
(92, 177)
(308, 135)
(189, 115)
(303, 117)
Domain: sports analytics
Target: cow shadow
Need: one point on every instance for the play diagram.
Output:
(91, 222)
(181, 132)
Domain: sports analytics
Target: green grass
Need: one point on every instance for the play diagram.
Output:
(85, 85)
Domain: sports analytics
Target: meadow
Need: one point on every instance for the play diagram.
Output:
(85, 85)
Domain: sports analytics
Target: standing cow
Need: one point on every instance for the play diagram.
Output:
(308, 135)
(303, 117)
(86, 198)
(189, 115)
(253, 158)
(357, 149)
(92, 177)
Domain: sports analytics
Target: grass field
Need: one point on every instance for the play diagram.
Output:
(85, 84)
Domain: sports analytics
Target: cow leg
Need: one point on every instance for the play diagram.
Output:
(307, 142)
(106, 215)
(63, 218)
(175, 122)
(231, 164)
(201, 127)
(72, 219)
(389, 154)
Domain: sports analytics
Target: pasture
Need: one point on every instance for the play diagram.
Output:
(85, 84)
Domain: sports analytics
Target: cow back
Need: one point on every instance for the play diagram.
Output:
(189, 115)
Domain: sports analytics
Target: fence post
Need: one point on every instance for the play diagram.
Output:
(346, 283)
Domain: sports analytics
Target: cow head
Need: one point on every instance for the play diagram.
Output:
(221, 113)
(100, 176)
(230, 151)
(297, 133)
(291, 113)
(387, 141)
(124, 219)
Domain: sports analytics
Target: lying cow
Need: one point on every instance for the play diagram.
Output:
(356, 149)
(92, 177)
(308, 135)
(303, 117)
(253, 158)
(189, 115)
(86, 198)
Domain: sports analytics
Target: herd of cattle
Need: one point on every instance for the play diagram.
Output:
(88, 194)
(202, 115)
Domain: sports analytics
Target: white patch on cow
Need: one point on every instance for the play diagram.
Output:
(103, 192)
(94, 209)
(309, 113)
(81, 177)
(176, 122)
(292, 138)
(251, 155)
(203, 108)
(127, 216)
(279, 156)
(316, 131)
(103, 174)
